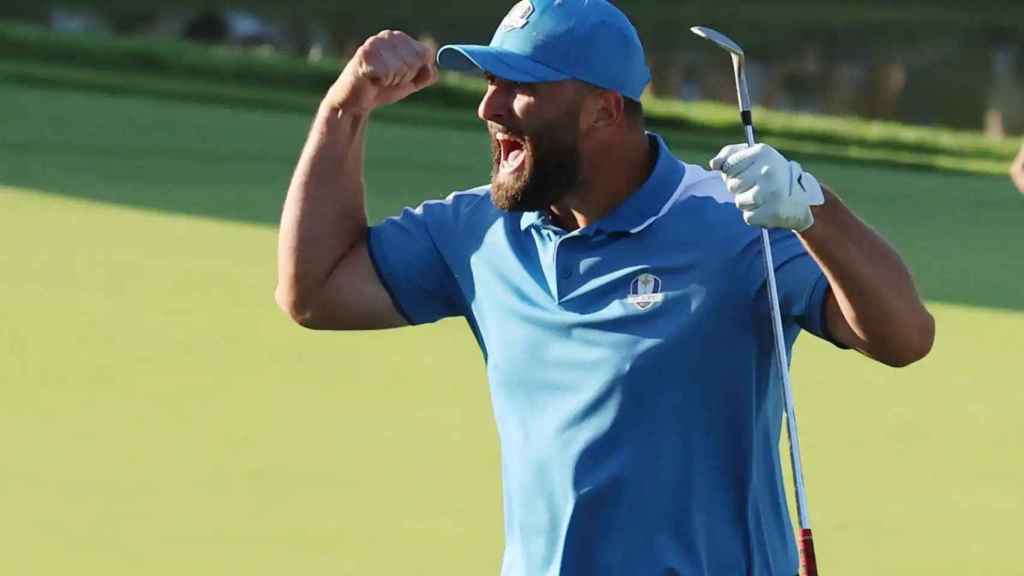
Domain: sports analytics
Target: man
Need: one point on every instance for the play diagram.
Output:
(1017, 170)
(616, 292)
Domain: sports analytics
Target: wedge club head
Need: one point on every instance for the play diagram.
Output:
(743, 95)
(723, 41)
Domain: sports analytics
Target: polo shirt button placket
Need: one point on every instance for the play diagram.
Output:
(564, 272)
(562, 266)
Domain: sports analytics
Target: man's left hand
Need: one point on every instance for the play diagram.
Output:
(772, 192)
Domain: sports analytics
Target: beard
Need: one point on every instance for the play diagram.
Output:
(550, 168)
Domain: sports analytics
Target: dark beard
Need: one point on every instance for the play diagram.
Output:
(552, 169)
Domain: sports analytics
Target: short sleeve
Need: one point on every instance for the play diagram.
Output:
(803, 287)
(412, 267)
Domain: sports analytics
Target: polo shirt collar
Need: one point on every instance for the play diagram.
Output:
(533, 218)
(640, 208)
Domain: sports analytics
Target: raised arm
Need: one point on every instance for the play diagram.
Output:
(873, 306)
(325, 278)
(1017, 170)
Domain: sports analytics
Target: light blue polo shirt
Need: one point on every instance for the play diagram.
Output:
(631, 371)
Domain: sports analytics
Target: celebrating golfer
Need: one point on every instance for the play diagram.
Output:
(618, 294)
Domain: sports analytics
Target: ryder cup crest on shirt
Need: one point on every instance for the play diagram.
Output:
(518, 16)
(645, 292)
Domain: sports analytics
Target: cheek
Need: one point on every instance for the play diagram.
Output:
(525, 109)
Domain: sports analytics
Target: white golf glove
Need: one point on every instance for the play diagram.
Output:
(771, 191)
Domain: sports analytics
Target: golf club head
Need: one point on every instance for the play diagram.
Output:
(726, 43)
(723, 41)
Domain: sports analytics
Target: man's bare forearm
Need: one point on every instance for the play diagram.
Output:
(873, 288)
(324, 214)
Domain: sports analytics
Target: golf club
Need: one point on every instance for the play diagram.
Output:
(808, 560)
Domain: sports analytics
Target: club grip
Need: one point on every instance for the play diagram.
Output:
(808, 562)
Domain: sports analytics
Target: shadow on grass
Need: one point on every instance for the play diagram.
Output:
(959, 232)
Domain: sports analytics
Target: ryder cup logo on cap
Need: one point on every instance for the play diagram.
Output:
(518, 16)
(551, 40)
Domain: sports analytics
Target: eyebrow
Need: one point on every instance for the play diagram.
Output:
(492, 78)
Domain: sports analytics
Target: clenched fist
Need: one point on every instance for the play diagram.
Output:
(772, 192)
(385, 69)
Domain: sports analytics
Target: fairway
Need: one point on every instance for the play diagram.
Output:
(159, 415)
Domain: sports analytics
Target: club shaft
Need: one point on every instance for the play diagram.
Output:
(806, 545)
(780, 342)
(787, 388)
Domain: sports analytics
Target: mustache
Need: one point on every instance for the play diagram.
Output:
(496, 130)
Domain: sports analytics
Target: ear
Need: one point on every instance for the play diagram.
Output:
(602, 109)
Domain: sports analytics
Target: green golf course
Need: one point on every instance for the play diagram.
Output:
(160, 415)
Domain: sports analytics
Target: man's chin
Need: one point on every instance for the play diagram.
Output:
(510, 201)
(507, 193)
(504, 199)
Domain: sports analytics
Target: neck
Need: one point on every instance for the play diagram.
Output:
(611, 173)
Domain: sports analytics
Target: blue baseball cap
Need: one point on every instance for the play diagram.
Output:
(551, 40)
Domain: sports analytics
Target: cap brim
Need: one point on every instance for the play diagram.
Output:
(497, 61)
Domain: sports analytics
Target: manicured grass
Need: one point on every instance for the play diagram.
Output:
(160, 416)
(955, 229)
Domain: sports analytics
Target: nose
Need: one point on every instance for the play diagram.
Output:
(495, 104)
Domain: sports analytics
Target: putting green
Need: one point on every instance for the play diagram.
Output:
(160, 416)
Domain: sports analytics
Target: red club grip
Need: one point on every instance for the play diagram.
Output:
(808, 562)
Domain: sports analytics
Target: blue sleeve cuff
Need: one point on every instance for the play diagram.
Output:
(412, 265)
(383, 279)
(818, 302)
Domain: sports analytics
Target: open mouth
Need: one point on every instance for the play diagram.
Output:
(512, 153)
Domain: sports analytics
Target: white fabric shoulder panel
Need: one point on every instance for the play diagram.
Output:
(478, 191)
(707, 184)
(696, 182)
(470, 195)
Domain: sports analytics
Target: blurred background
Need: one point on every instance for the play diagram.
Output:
(923, 62)
(159, 415)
